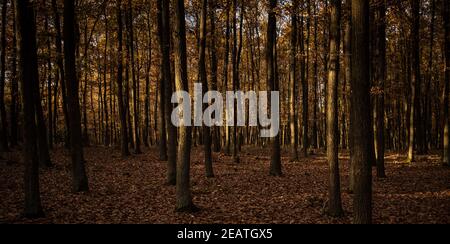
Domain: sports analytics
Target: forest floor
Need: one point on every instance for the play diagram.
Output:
(132, 190)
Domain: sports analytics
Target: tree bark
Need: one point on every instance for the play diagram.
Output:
(272, 82)
(14, 107)
(293, 81)
(183, 192)
(80, 180)
(334, 194)
(380, 80)
(3, 120)
(28, 65)
(360, 83)
(415, 117)
(446, 135)
(120, 95)
(203, 79)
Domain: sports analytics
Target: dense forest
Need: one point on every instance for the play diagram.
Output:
(86, 123)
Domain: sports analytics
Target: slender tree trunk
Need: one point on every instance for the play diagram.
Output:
(14, 85)
(360, 81)
(49, 86)
(203, 79)
(380, 80)
(164, 40)
(316, 81)
(335, 203)
(272, 82)
(80, 181)
(61, 71)
(120, 95)
(107, 139)
(446, 135)
(28, 65)
(235, 69)
(136, 114)
(183, 192)
(305, 94)
(225, 74)
(415, 121)
(3, 120)
(214, 68)
(293, 81)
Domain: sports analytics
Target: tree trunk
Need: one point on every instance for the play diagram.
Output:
(164, 35)
(61, 71)
(3, 120)
(305, 94)
(235, 68)
(80, 181)
(214, 68)
(446, 135)
(120, 95)
(203, 79)
(415, 117)
(360, 83)
(380, 80)
(225, 74)
(293, 81)
(28, 65)
(183, 193)
(335, 203)
(14, 86)
(272, 82)
(136, 114)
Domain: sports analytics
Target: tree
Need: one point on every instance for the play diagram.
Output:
(446, 136)
(3, 120)
(415, 121)
(305, 90)
(183, 192)
(80, 180)
(360, 97)
(293, 79)
(28, 65)
(380, 80)
(214, 68)
(203, 79)
(61, 71)
(272, 82)
(131, 48)
(164, 41)
(227, 147)
(120, 95)
(235, 71)
(14, 107)
(335, 203)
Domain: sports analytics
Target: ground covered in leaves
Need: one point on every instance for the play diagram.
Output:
(132, 190)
